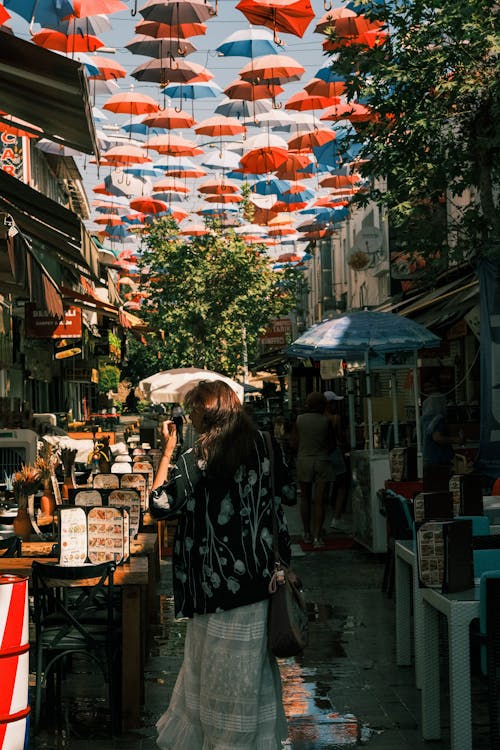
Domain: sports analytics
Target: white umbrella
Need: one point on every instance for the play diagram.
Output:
(171, 386)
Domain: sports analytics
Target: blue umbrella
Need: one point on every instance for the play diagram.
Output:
(141, 170)
(272, 186)
(361, 333)
(300, 197)
(249, 43)
(327, 155)
(204, 90)
(328, 75)
(48, 13)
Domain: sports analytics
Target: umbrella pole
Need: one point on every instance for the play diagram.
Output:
(352, 427)
(394, 408)
(417, 417)
(369, 406)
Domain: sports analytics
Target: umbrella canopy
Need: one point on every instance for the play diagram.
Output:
(272, 69)
(131, 103)
(161, 47)
(56, 40)
(169, 118)
(160, 30)
(171, 386)
(220, 125)
(248, 43)
(170, 69)
(203, 90)
(175, 12)
(243, 108)
(280, 15)
(252, 91)
(173, 144)
(361, 333)
(45, 12)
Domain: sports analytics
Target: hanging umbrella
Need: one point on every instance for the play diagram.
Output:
(223, 198)
(121, 183)
(4, 16)
(252, 91)
(107, 69)
(265, 141)
(109, 219)
(170, 183)
(219, 126)
(271, 186)
(327, 21)
(49, 147)
(169, 196)
(194, 230)
(274, 119)
(148, 205)
(132, 103)
(179, 166)
(288, 170)
(171, 386)
(222, 160)
(47, 13)
(169, 118)
(218, 187)
(95, 25)
(361, 333)
(205, 90)
(272, 69)
(262, 160)
(176, 12)
(340, 180)
(126, 155)
(56, 40)
(305, 140)
(173, 144)
(279, 15)
(164, 30)
(137, 127)
(248, 43)
(242, 108)
(351, 111)
(303, 101)
(302, 121)
(83, 8)
(317, 87)
(161, 48)
(171, 70)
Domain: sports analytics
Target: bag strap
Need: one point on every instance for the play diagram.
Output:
(270, 453)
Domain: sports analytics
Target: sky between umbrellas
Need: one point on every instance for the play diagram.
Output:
(212, 155)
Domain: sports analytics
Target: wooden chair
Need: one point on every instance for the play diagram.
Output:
(11, 546)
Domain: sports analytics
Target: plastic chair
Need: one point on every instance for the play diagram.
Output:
(485, 560)
(10, 546)
(480, 524)
(74, 612)
(495, 490)
(399, 526)
(489, 635)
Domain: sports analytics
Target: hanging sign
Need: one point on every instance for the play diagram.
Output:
(40, 325)
(64, 348)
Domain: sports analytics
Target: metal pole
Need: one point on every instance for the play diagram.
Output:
(352, 426)
(395, 422)
(369, 406)
(245, 353)
(416, 394)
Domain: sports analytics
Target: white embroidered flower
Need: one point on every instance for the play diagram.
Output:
(188, 543)
(238, 477)
(206, 588)
(266, 465)
(215, 579)
(252, 477)
(226, 511)
(267, 537)
(181, 576)
(190, 505)
(239, 566)
(233, 584)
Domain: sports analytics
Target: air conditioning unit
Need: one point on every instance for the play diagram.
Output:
(17, 447)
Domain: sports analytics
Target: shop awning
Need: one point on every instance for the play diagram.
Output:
(53, 225)
(47, 90)
(81, 299)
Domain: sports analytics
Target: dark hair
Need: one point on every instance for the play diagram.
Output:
(227, 432)
(315, 402)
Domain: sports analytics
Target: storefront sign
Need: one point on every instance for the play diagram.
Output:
(11, 155)
(81, 374)
(40, 325)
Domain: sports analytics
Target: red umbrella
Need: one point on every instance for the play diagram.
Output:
(372, 38)
(349, 27)
(218, 187)
(171, 70)
(131, 103)
(169, 118)
(223, 198)
(339, 180)
(303, 101)
(282, 232)
(306, 140)
(262, 160)
(126, 155)
(163, 30)
(289, 170)
(170, 184)
(251, 92)
(4, 15)
(347, 111)
(318, 87)
(175, 145)
(110, 219)
(83, 8)
(220, 125)
(108, 69)
(272, 69)
(195, 230)
(327, 21)
(56, 40)
(280, 15)
(148, 205)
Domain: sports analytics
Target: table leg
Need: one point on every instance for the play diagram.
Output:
(418, 625)
(132, 657)
(460, 685)
(431, 710)
(403, 612)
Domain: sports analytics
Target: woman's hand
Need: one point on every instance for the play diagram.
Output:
(169, 436)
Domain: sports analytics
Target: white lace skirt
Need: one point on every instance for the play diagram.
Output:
(228, 692)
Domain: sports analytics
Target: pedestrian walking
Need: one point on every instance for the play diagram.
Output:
(340, 458)
(228, 691)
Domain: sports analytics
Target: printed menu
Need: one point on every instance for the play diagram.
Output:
(93, 535)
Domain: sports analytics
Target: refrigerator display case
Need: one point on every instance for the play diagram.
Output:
(370, 471)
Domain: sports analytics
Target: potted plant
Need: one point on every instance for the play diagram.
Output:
(25, 483)
(68, 456)
(47, 463)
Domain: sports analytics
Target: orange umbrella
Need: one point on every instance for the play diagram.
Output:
(195, 230)
(349, 27)
(148, 205)
(347, 111)
(110, 219)
(223, 198)
(169, 118)
(126, 155)
(261, 160)
(170, 184)
(372, 38)
(306, 140)
(340, 180)
(289, 170)
(272, 69)
(327, 21)
(4, 15)
(220, 125)
(108, 69)
(164, 30)
(279, 15)
(83, 8)
(282, 232)
(251, 92)
(175, 145)
(132, 103)
(303, 101)
(318, 87)
(218, 187)
(56, 40)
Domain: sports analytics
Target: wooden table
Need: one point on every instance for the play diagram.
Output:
(133, 579)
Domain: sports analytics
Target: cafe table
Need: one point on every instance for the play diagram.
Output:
(133, 578)
(408, 597)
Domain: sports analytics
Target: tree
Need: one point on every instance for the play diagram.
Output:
(109, 378)
(432, 85)
(207, 295)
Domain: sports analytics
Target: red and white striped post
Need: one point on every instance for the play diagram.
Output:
(14, 662)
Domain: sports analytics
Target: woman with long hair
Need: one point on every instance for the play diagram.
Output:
(228, 691)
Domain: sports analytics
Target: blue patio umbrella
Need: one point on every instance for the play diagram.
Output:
(250, 42)
(203, 90)
(327, 155)
(327, 74)
(272, 186)
(48, 13)
(300, 197)
(142, 170)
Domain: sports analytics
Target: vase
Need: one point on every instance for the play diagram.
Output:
(47, 500)
(68, 483)
(22, 522)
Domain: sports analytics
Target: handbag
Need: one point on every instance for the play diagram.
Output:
(288, 622)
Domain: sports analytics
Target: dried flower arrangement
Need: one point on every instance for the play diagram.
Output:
(25, 482)
(358, 260)
(47, 462)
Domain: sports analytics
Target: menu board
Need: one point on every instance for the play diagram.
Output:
(93, 535)
(131, 500)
